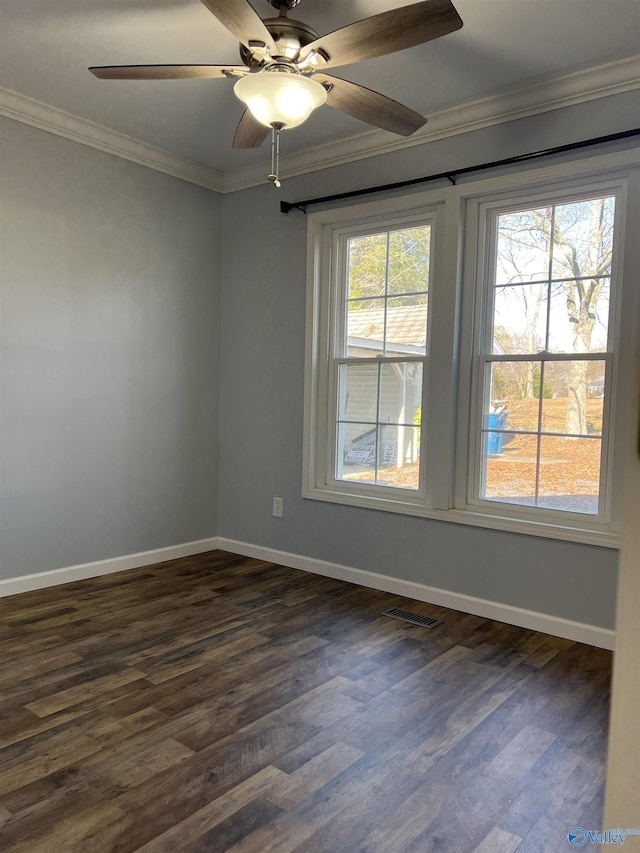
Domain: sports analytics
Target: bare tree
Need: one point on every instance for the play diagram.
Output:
(589, 270)
(513, 262)
(574, 242)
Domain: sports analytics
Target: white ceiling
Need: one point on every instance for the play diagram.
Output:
(46, 47)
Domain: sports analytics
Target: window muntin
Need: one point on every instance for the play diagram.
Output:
(380, 358)
(547, 367)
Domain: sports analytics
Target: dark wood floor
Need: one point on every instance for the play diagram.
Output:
(220, 703)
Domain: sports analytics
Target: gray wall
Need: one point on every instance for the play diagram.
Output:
(110, 339)
(262, 375)
(111, 397)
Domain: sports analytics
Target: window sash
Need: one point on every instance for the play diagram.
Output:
(339, 310)
(335, 422)
(489, 212)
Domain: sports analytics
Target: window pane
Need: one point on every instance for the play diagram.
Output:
(509, 470)
(358, 393)
(365, 327)
(398, 461)
(367, 265)
(568, 478)
(579, 316)
(569, 474)
(572, 404)
(401, 327)
(357, 446)
(583, 238)
(523, 246)
(409, 252)
(373, 438)
(406, 325)
(400, 393)
(520, 319)
(397, 449)
(514, 392)
(573, 397)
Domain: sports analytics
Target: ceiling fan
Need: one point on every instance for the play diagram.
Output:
(283, 78)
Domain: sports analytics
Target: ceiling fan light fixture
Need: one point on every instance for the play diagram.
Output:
(280, 97)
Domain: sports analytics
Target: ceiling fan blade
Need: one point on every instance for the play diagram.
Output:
(165, 72)
(250, 133)
(386, 33)
(242, 21)
(370, 107)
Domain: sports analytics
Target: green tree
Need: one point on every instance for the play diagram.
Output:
(391, 263)
(546, 391)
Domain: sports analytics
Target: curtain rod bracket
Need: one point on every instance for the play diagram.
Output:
(286, 206)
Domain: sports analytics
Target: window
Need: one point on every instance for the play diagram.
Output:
(470, 351)
(380, 356)
(365, 437)
(546, 353)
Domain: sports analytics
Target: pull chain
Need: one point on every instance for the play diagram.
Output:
(276, 129)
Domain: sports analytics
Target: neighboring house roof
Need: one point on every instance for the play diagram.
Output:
(406, 327)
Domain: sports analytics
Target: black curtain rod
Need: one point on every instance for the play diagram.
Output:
(452, 174)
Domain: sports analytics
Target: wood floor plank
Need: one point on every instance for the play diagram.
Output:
(248, 819)
(38, 664)
(66, 698)
(348, 808)
(498, 841)
(131, 763)
(109, 731)
(22, 725)
(311, 776)
(202, 821)
(40, 806)
(195, 658)
(468, 818)
(46, 762)
(520, 754)
(285, 835)
(68, 832)
(216, 703)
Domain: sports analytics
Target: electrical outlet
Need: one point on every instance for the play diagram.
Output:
(277, 507)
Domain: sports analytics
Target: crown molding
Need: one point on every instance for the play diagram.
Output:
(53, 120)
(552, 94)
(580, 87)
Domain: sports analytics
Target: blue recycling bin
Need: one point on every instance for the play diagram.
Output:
(494, 439)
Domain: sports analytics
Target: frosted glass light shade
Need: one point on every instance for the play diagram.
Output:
(279, 97)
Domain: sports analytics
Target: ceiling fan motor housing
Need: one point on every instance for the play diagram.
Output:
(290, 37)
(284, 4)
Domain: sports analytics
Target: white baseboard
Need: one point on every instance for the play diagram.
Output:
(40, 580)
(578, 631)
(592, 635)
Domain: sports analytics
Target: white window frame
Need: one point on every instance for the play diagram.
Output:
(326, 330)
(486, 215)
(456, 301)
(340, 237)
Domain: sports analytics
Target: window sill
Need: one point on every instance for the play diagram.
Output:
(471, 517)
